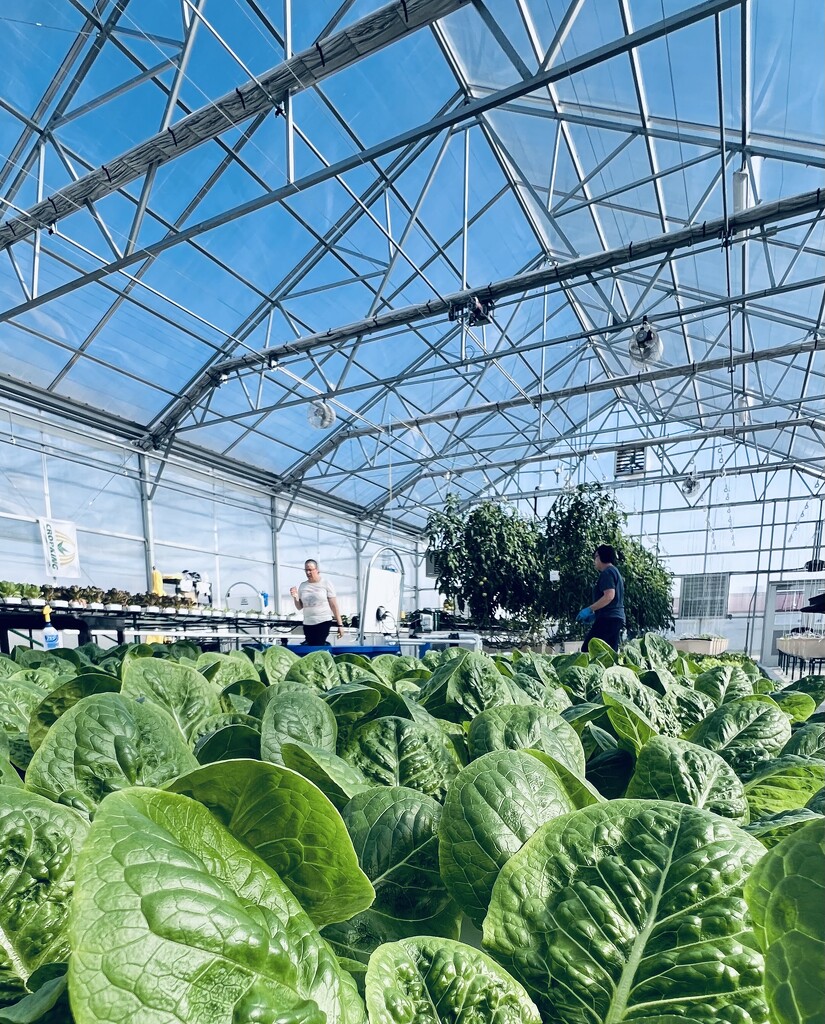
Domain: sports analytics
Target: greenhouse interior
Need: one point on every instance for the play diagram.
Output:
(412, 511)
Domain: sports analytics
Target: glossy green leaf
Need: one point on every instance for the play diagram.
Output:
(670, 769)
(627, 911)
(744, 732)
(581, 680)
(436, 981)
(522, 728)
(813, 685)
(46, 1002)
(534, 688)
(579, 791)
(106, 743)
(723, 683)
(601, 652)
(786, 896)
(395, 834)
(207, 726)
(241, 694)
(171, 911)
(809, 741)
(351, 701)
(180, 691)
(301, 717)
(579, 715)
(65, 696)
(227, 668)
(315, 670)
(658, 679)
(229, 743)
(623, 683)
(277, 662)
(391, 668)
(658, 650)
(817, 801)
(20, 695)
(462, 688)
(291, 825)
(687, 706)
(38, 843)
(609, 771)
(797, 706)
(492, 808)
(8, 774)
(398, 752)
(773, 828)
(630, 724)
(783, 784)
(336, 779)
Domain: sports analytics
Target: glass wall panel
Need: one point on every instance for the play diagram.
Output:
(21, 553)
(21, 479)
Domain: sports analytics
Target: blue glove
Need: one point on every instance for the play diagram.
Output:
(585, 615)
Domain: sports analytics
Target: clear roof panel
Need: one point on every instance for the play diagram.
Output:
(432, 163)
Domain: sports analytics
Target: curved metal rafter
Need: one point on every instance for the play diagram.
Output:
(483, 402)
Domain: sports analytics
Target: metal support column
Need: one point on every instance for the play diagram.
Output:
(276, 570)
(146, 518)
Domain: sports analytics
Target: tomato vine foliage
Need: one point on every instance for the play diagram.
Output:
(485, 557)
(491, 557)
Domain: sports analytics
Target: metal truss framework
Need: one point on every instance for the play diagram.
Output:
(615, 210)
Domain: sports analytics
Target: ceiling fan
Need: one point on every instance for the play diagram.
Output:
(321, 415)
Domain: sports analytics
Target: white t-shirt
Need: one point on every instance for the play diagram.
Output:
(315, 599)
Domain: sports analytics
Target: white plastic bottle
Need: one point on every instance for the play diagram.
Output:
(51, 638)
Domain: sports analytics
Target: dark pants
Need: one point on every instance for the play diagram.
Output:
(609, 630)
(316, 636)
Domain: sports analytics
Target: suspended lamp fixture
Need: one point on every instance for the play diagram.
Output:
(645, 345)
(690, 485)
(742, 404)
(321, 415)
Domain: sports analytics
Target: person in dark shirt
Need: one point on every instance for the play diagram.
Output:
(606, 613)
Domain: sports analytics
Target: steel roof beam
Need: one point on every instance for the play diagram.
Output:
(730, 431)
(769, 213)
(705, 474)
(185, 454)
(690, 133)
(693, 313)
(13, 160)
(104, 32)
(609, 384)
(809, 202)
(332, 54)
(623, 439)
(460, 114)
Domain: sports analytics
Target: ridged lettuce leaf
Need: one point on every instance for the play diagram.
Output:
(38, 843)
(395, 834)
(493, 807)
(786, 896)
(669, 769)
(291, 825)
(174, 919)
(436, 981)
(626, 911)
(521, 728)
(105, 743)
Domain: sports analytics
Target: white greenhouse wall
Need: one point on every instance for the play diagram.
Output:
(195, 520)
(758, 528)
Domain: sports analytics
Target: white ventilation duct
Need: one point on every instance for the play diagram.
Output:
(741, 191)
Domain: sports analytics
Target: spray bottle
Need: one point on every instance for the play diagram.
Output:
(51, 638)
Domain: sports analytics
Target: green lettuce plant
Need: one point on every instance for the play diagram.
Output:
(582, 811)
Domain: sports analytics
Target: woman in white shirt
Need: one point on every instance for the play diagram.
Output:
(315, 597)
